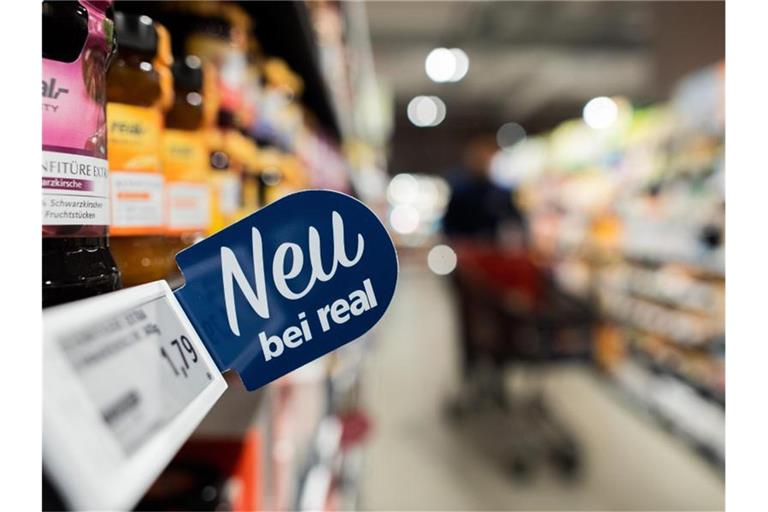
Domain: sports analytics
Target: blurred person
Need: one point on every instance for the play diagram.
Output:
(480, 216)
(480, 210)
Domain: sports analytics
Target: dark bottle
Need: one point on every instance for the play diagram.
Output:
(227, 165)
(250, 189)
(186, 157)
(214, 36)
(78, 44)
(139, 90)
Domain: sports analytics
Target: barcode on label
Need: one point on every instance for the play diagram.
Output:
(123, 405)
(138, 368)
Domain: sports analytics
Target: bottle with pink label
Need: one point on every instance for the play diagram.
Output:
(78, 43)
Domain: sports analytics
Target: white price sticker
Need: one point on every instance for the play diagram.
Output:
(75, 190)
(137, 200)
(126, 381)
(188, 205)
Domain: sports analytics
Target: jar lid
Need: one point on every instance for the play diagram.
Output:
(188, 73)
(136, 32)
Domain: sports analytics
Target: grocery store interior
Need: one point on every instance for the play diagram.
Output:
(552, 177)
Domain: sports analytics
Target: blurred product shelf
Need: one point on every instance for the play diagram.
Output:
(631, 218)
(293, 436)
(283, 80)
(697, 419)
(286, 30)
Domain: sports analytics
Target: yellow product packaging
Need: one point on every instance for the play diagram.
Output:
(135, 135)
(188, 196)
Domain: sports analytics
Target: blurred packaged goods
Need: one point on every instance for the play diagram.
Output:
(210, 474)
(250, 181)
(217, 109)
(225, 177)
(218, 35)
(631, 217)
(78, 45)
(185, 157)
(280, 115)
(225, 107)
(139, 91)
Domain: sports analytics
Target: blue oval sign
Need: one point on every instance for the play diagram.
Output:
(289, 283)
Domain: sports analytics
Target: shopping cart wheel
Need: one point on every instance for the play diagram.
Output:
(454, 409)
(566, 460)
(521, 467)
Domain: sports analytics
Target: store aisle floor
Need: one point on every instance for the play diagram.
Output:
(416, 461)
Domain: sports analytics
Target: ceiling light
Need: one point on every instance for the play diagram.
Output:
(404, 219)
(426, 111)
(462, 64)
(440, 65)
(600, 113)
(446, 64)
(402, 189)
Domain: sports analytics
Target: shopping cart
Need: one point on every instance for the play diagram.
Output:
(516, 323)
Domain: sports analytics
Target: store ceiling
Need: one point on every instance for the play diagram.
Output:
(532, 62)
(525, 57)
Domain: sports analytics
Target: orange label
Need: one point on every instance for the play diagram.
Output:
(137, 196)
(136, 179)
(134, 138)
(185, 155)
(188, 207)
(185, 164)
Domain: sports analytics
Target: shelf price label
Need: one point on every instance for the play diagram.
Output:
(289, 283)
(129, 375)
(187, 351)
(126, 381)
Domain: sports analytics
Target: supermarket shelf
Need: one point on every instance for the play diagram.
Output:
(285, 31)
(712, 267)
(683, 328)
(683, 342)
(235, 413)
(317, 482)
(704, 391)
(707, 267)
(676, 408)
(287, 430)
(85, 454)
(661, 300)
(667, 289)
(316, 488)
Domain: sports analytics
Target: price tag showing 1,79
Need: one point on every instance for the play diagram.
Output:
(126, 381)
